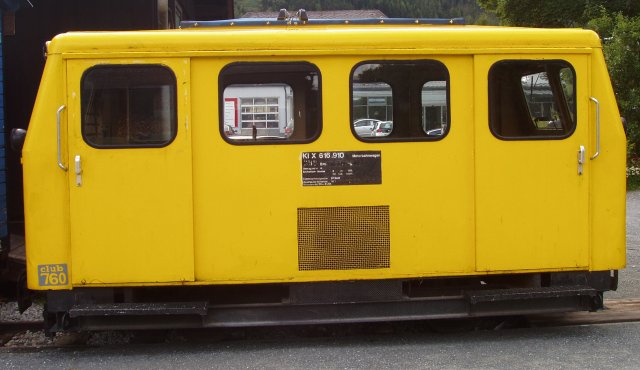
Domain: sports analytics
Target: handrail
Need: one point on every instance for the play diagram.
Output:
(597, 153)
(58, 114)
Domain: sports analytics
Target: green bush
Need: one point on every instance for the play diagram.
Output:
(622, 51)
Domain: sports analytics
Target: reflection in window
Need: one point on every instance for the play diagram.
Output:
(373, 100)
(400, 100)
(372, 103)
(434, 108)
(128, 106)
(270, 101)
(267, 108)
(532, 99)
(261, 112)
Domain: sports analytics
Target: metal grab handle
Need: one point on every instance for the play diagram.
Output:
(597, 153)
(580, 159)
(58, 114)
(78, 170)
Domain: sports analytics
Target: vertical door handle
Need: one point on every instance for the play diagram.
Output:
(78, 165)
(597, 153)
(58, 119)
(581, 157)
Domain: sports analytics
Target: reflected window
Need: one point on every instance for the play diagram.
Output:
(267, 108)
(405, 100)
(270, 102)
(434, 108)
(128, 106)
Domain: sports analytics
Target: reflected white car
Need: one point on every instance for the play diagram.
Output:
(435, 132)
(364, 127)
(383, 128)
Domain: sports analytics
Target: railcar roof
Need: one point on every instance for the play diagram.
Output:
(325, 39)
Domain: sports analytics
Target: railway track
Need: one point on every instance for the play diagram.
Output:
(616, 311)
(9, 329)
(14, 326)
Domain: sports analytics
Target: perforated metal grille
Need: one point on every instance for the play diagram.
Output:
(343, 238)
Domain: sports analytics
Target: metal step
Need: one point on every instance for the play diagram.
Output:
(139, 309)
(524, 294)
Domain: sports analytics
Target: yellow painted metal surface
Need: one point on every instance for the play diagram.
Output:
(248, 232)
(46, 195)
(132, 217)
(203, 211)
(608, 182)
(532, 206)
(328, 40)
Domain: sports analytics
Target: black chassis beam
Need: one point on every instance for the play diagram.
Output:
(282, 314)
(67, 311)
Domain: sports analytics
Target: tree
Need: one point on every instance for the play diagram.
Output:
(536, 13)
(554, 13)
(618, 24)
(622, 52)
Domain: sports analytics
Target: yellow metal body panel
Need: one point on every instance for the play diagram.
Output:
(203, 211)
(46, 195)
(532, 205)
(325, 40)
(608, 182)
(247, 229)
(132, 217)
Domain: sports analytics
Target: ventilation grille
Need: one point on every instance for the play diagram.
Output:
(343, 238)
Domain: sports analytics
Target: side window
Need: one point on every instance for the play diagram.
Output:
(532, 99)
(270, 103)
(400, 100)
(128, 106)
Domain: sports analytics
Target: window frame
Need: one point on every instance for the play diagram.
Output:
(387, 139)
(174, 102)
(284, 141)
(574, 122)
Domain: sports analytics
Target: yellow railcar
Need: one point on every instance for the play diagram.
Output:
(276, 172)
